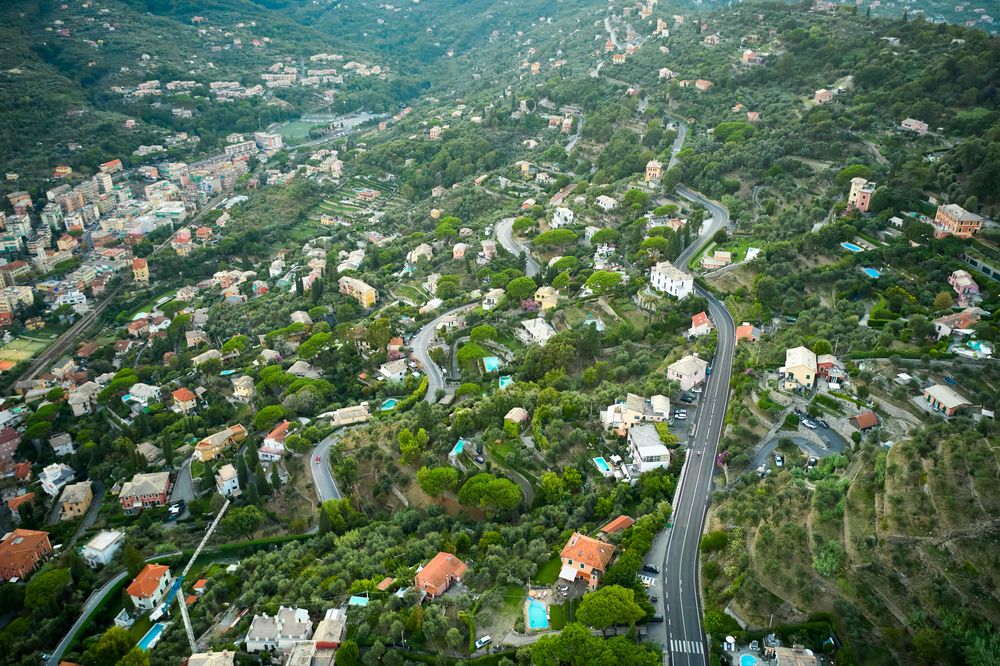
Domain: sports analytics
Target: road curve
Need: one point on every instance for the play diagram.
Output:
(421, 343)
(322, 473)
(505, 234)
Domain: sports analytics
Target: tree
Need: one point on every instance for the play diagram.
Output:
(434, 481)
(133, 559)
(207, 476)
(275, 478)
(268, 416)
(338, 516)
(943, 301)
(135, 657)
(554, 238)
(822, 346)
(552, 487)
(490, 493)
(471, 352)
(45, 589)
(110, 648)
(411, 446)
(348, 654)
(315, 345)
(521, 288)
(244, 520)
(483, 333)
(609, 606)
(602, 282)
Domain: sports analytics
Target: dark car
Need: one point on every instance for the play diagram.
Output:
(656, 618)
(654, 599)
(651, 568)
(823, 423)
(688, 398)
(480, 460)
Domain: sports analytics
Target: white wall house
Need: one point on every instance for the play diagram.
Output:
(668, 279)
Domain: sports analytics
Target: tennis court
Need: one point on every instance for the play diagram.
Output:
(20, 349)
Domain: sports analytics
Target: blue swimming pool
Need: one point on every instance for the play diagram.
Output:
(872, 273)
(748, 660)
(152, 636)
(491, 363)
(458, 448)
(538, 617)
(506, 381)
(602, 465)
(851, 246)
(226, 373)
(389, 404)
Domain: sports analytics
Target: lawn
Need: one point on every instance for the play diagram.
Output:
(557, 617)
(549, 572)
(628, 311)
(414, 294)
(296, 130)
(502, 450)
(513, 599)
(21, 349)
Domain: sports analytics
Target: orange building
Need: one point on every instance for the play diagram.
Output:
(443, 570)
(586, 558)
(21, 551)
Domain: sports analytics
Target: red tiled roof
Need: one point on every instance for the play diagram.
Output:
(439, 573)
(183, 394)
(582, 548)
(22, 470)
(147, 581)
(138, 263)
(618, 524)
(20, 550)
(385, 584)
(865, 420)
(700, 319)
(280, 432)
(15, 502)
(9, 435)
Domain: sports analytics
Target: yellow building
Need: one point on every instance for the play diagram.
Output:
(363, 293)
(76, 499)
(140, 270)
(654, 170)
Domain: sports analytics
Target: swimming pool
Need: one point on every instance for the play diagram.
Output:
(152, 636)
(491, 363)
(872, 273)
(851, 246)
(506, 381)
(458, 448)
(538, 617)
(603, 466)
(226, 373)
(389, 403)
(748, 660)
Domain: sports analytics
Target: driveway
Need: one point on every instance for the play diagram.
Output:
(764, 453)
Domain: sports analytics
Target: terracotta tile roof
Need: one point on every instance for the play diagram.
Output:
(582, 548)
(385, 584)
(200, 584)
(864, 420)
(21, 550)
(437, 576)
(700, 319)
(183, 394)
(280, 432)
(9, 435)
(618, 524)
(22, 470)
(147, 581)
(15, 502)
(138, 263)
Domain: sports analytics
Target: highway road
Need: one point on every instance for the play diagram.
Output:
(505, 234)
(421, 344)
(675, 549)
(326, 486)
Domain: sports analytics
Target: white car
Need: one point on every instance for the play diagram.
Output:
(809, 424)
(485, 640)
(779, 460)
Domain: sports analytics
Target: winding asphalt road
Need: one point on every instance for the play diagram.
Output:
(421, 343)
(505, 234)
(323, 481)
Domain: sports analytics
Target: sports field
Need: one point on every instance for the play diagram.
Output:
(20, 349)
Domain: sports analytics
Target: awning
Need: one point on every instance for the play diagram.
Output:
(568, 572)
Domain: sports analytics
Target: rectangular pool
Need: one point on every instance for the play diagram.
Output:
(603, 466)
(538, 616)
(851, 246)
(505, 381)
(389, 404)
(491, 363)
(872, 273)
(152, 636)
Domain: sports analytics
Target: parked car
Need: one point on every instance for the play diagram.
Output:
(779, 460)
(812, 462)
(647, 581)
(480, 460)
(658, 618)
(761, 470)
(687, 398)
(651, 568)
(823, 423)
(653, 598)
(809, 424)
(680, 414)
(485, 640)
(697, 389)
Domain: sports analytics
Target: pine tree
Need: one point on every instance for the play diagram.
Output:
(263, 487)
(275, 478)
(208, 476)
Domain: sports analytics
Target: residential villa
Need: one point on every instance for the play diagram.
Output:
(148, 588)
(688, 372)
(606, 203)
(860, 195)
(654, 171)
(718, 259)
(213, 445)
(54, 477)
(393, 371)
(830, 368)
(140, 270)
(273, 447)
(62, 444)
(647, 449)
(546, 297)
(953, 220)
(350, 415)
(561, 217)
(635, 409)
(957, 322)
(185, 400)
(434, 578)
(100, 550)
(517, 415)
(667, 278)
(492, 298)
(281, 632)
(21, 551)
(914, 125)
(82, 398)
(585, 558)
(799, 369)
(76, 499)
(700, 325)
(243, 389)
(864, 421)
(362, 292)
(945, 399)
(822, 96)
(966, 288)
(145, 491)
(227, 481)
(535, 331)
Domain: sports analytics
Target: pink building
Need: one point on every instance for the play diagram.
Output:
(966, 288)
(823, 96)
